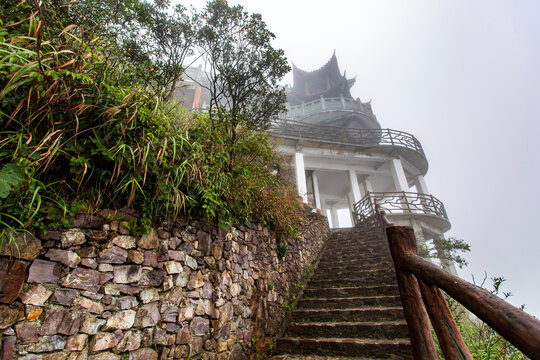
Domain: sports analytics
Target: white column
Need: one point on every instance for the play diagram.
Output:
(350, 197)
(398, 174)
(323, 207)
(420, 184)
(300, 175)
(323, 103)
(355, 189)
(363, 190)
(335, 221)
(367, 185)
(316, 192)
(419, 235)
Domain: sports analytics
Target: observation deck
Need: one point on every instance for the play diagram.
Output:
(385, 141)
(328, 110)
(401, 205)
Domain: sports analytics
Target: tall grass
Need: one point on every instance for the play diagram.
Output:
(80, 131)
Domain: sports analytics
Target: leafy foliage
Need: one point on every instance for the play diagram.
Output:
(154, 36)
(483, 341)
(83, 130)
(446, 250)
(244, 68)
(240, 187)
(11, 176)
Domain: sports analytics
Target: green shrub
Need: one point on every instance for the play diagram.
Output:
(482, 340)
(81, 131)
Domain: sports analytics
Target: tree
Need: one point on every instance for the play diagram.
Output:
(244, 68)
(163, 42)
(446, 250)
(154, 37)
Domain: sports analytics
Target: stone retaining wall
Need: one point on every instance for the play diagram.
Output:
(97, 292)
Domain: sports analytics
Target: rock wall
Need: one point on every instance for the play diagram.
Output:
(97, 291)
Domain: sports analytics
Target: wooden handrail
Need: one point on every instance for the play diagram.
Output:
(513, 324)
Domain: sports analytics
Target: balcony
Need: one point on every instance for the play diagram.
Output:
(328, 104)
(408, 205)
(376, 140)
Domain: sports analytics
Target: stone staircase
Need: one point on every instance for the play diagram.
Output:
(351, 305)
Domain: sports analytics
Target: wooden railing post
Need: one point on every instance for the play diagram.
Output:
(402, 242)
(442, 320)
(418, 278)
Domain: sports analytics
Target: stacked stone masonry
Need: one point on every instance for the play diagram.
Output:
(98, 292)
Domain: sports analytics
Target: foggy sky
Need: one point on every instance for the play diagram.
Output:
(464, 78)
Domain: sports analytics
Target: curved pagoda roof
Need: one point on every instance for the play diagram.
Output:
(326, 81)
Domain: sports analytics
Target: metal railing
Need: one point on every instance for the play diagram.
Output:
(396, 203)
(328, 104)
(344, 136)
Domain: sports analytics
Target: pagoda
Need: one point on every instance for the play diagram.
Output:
(323, 97)
(347, 166)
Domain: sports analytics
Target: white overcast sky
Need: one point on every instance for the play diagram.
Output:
(464, 78)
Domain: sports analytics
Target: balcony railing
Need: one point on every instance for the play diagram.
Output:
(328, 104)
(345, 136)
(396, 203)
(296, 112)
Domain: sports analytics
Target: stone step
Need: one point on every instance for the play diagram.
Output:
(373, 241)
(348, 267)
(348, 302)
(341, 243)
(353, 274)
(354, 250)
(359, 237)
(363, 348)
(363, 330)
(317, 357)
(355, 254)
(341, 247)
(356, 259)
(352, 282)
(351, 314)
(357, 251)
(358, 272)
(351, 291)
(356, 262)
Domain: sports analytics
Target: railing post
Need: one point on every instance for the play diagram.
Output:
(442, 320)
(402, 243)
(407, 203)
